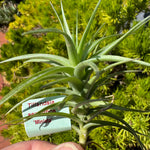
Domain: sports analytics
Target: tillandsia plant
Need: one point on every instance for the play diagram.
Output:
(82, 76)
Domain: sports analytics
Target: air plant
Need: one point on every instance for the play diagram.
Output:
(82, 76)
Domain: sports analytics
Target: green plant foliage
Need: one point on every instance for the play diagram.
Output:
(34, 16)
(20, 45)
(7, 10)
(133, 95)
(67, 137)
(122, 12)
(20, 135)
(139, 47)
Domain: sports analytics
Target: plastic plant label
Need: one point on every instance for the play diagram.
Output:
(44, 124)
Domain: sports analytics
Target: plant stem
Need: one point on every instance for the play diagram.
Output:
(83, 136)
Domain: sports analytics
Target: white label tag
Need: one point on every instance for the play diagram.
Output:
(44, 124)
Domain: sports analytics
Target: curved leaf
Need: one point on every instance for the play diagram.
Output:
(127, 109)
(79, 70)
(88, 103)
(59, 90)
(35, 78)
(60, 114)
(131, 130)
(43, 61)
(109, 47)
(77, 29)
(46, 57)
(53, 114)
(102, 81)
(83, 39)
(94, 44)
(65, 21)
(72, 53)
(100, 123)
(114, 58)
(89, 85)
(76, 83)
(105, 80)
(51, 77)
(57, 16)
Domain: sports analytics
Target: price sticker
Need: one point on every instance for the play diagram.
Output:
(44, 125)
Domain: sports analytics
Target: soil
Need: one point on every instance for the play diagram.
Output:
(3, 141)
